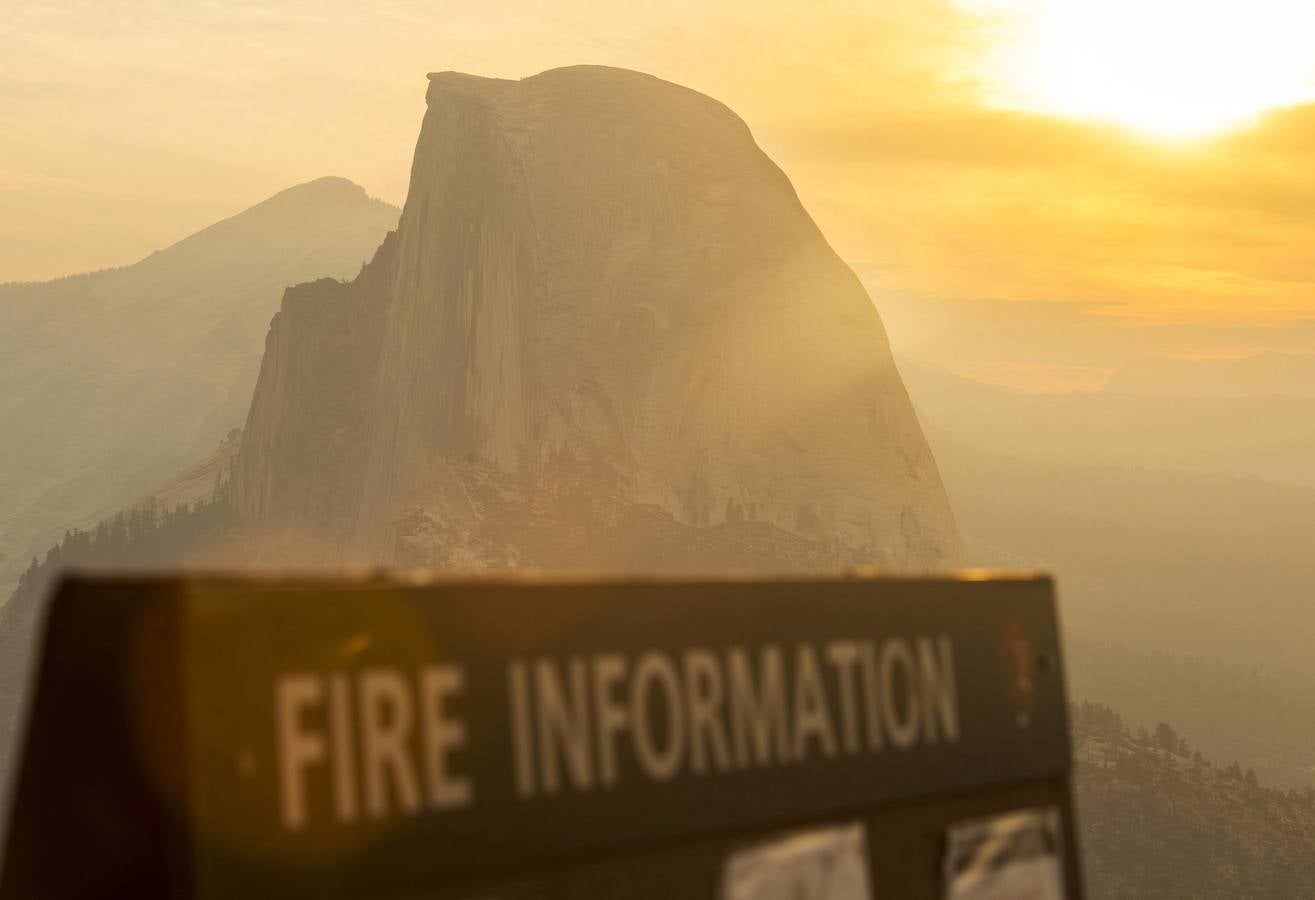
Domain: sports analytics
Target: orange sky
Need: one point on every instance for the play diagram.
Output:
(910, 128)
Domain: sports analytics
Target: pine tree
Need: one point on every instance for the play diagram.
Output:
(1166, 738)
(28, 578)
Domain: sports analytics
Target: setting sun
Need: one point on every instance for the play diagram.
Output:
(1170, 69)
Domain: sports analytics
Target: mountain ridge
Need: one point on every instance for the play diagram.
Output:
(123, 377)
(326, 188)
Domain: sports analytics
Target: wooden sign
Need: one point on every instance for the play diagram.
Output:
(220, 737)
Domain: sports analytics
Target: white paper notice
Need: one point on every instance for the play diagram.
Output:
(1014, 856)
(819, 864)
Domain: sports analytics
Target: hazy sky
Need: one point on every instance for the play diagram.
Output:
(1152, 160)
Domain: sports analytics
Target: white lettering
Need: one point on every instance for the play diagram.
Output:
(903, 732)
(871, 695)
(658, 764)
(758, 713)
(843, 656)
(938, 691)
(703, 684)
(442, 735)
(521, 738)
(811, 717)
(612, 717)
(344, 764)
(563, 727)
(298, 748)
(387, 718)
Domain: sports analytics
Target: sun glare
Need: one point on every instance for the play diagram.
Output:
(1167, 68)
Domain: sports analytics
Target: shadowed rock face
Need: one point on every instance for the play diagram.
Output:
(605, 334)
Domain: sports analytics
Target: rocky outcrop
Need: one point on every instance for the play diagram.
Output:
(605, 334)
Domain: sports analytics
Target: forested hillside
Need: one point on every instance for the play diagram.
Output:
(1158, 820)
(1228, 711)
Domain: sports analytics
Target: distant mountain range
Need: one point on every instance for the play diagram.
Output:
(1261, 375)
(1066, 344)
(1179, 528)
(114, 381)
(1205, 564)
(1174, 523)
(1229, 433)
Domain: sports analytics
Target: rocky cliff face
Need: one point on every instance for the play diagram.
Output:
(605, 334)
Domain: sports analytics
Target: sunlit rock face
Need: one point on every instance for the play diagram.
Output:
(605, 335)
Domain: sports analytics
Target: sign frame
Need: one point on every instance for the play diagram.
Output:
(151, 779)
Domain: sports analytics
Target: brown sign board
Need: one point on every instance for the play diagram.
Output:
(238, 737)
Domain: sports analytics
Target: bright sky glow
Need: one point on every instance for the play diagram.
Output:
(1166, 68)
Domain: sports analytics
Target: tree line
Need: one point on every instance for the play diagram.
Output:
(142, 537)
(1090, 719)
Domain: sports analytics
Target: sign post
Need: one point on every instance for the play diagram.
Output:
(232, 737)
